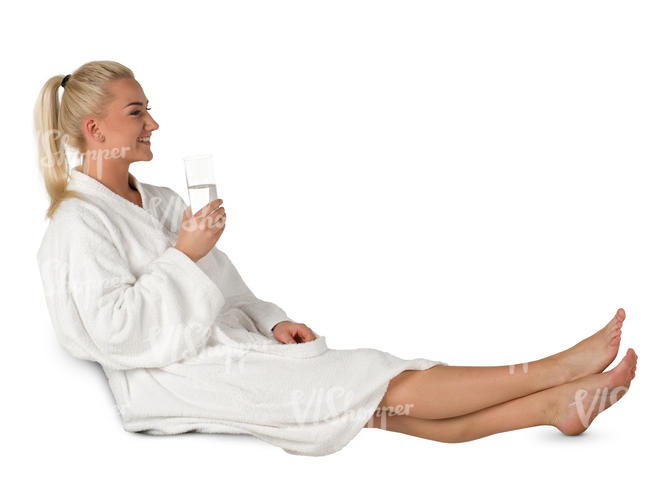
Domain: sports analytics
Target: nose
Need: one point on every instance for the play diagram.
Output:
(151, 124)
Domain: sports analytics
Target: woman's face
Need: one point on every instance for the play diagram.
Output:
(125, 125)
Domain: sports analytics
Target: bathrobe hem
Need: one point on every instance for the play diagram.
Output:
(180, 425)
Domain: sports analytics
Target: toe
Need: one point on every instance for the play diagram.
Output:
(615, 334)
(616, 322)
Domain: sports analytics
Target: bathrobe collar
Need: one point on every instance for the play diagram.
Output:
(85, 183)
(93, 188)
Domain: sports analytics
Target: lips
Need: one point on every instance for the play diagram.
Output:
(144, 140)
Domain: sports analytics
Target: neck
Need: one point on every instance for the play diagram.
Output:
(114, 175)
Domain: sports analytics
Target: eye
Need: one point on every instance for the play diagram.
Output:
(135, 113)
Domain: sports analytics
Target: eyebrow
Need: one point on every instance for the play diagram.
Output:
(134, 103)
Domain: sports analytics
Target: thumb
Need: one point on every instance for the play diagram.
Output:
(187, 215)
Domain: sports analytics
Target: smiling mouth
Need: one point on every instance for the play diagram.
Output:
(143, 140)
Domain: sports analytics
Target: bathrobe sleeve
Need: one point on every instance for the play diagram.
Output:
(161, 316)
(264, 314)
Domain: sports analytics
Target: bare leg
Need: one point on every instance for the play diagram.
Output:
(534, 409)
(570, 407)
(451, 391)
(448, 391)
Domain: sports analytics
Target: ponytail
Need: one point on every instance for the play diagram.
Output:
(59, 125)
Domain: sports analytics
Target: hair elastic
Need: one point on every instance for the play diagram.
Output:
(65, 80)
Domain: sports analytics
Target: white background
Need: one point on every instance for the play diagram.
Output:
(461, 181)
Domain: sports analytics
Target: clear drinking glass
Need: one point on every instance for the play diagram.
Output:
(201, 185)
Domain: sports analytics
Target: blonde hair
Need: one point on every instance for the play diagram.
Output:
(58, 124)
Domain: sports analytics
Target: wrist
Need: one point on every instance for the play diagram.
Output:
(272, 328)
(186, 253)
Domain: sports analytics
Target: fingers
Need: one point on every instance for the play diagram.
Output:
(286, 336)
(209, 207)
(309, 332)
(305, 333)
(216, 219)
(295, 334)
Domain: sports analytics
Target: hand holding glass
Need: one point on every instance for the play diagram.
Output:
(206, 215)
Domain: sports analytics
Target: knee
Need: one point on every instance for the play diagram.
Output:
(399, 393)
(380, 420)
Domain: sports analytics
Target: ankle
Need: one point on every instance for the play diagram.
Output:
(551, 412)
(560, 370)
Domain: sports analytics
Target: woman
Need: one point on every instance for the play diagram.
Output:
(134, 281)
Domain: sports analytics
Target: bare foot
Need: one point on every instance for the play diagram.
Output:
(593, 354)
(578, 403)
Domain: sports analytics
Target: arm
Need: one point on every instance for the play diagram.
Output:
(264, 314)
(157, 318)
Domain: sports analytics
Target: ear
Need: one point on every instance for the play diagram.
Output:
(91, 128)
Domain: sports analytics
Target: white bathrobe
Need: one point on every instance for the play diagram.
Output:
(187, 346)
